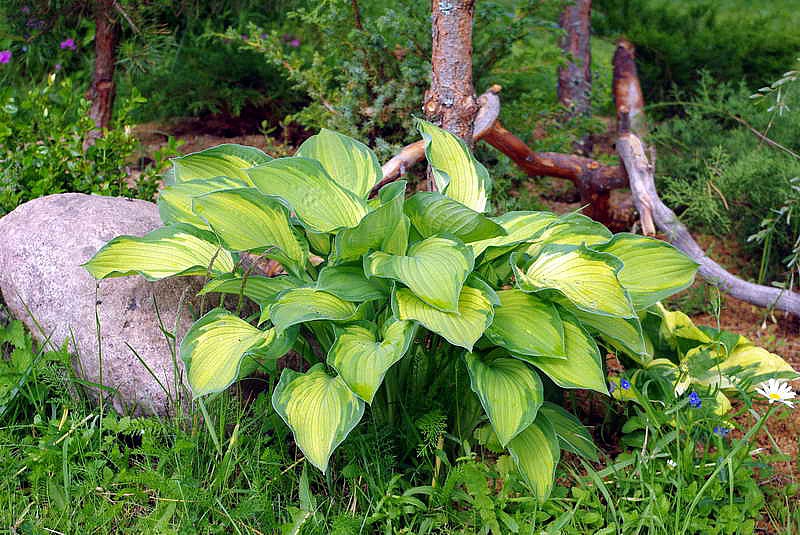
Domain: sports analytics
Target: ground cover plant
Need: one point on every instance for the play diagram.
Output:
(506, 296)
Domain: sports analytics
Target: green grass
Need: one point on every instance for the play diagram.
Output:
(69, 467)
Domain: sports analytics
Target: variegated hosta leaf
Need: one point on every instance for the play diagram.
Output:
(319, 241)
(216, 344)
(652, 270)
(572, 229)
(527, 325)
(571, 433)
(624, 334)
(175, 202)
(583, 367)
(263, 290)
(456, 171)
(228, 160)
(246, 220)
(350, 283)
(307, 304)
(319, 409)
(383, 229)
(510, 392)
(519, 226)
(587, 278)
(432, 213)
(435, 270)
(462, 328)
(675, 325)
(536, 453)
(362, 360)
(758, 363)
(349, 162)
(320, 203)
(178, 249)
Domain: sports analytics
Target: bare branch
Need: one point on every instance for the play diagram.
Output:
(650, 206)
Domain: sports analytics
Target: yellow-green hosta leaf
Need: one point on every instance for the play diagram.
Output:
(756, 363)
(434, 269)
(572, 229)
(178, 249)
(319, 409)
(320, 242)
(362, 361)
(652, 270)
(572, 434)
(536, 453)
(624, 334)
(349, 162)
(383, 229)
(462, 328)
(350, 283)
(307, 304)
(676, 324)
(527, 325)
(520, 227)
(510, 392)
(175, 202)
(216, 344)
(228, 160)
(456, 171)
(263, 290)
(585, 277)
(583, 367)
(246, 220)
(432, 213)
(320, 203)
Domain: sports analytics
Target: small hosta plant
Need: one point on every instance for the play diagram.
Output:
(372, 276)
(698, 361)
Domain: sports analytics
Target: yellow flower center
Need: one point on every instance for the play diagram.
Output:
(774, 395)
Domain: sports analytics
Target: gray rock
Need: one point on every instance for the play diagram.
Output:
(42, 246)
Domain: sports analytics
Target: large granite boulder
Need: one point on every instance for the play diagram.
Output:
(42, 246)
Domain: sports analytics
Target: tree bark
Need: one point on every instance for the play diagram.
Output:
(575, 78)
(103, 90)
(450, 102)
(627, 91)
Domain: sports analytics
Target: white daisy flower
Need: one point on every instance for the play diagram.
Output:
(777, 390)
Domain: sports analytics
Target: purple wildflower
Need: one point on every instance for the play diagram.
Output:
(294, 43)
(263, 36)
(58, 66)
(695, 401)
(625, 384)
(69, 43)
(5, 56)
(611, 387)
(721, 431)
(245, 37)
(25, 9)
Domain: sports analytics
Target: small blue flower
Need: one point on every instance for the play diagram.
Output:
(625, 384)
(695, 401)
(721, 431)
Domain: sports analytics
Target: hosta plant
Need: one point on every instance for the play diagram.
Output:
(519, 301)
(717, 364)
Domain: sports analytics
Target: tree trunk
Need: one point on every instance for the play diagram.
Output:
(627, 91)
(575, 78)
(102, 90)
(450, 102)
